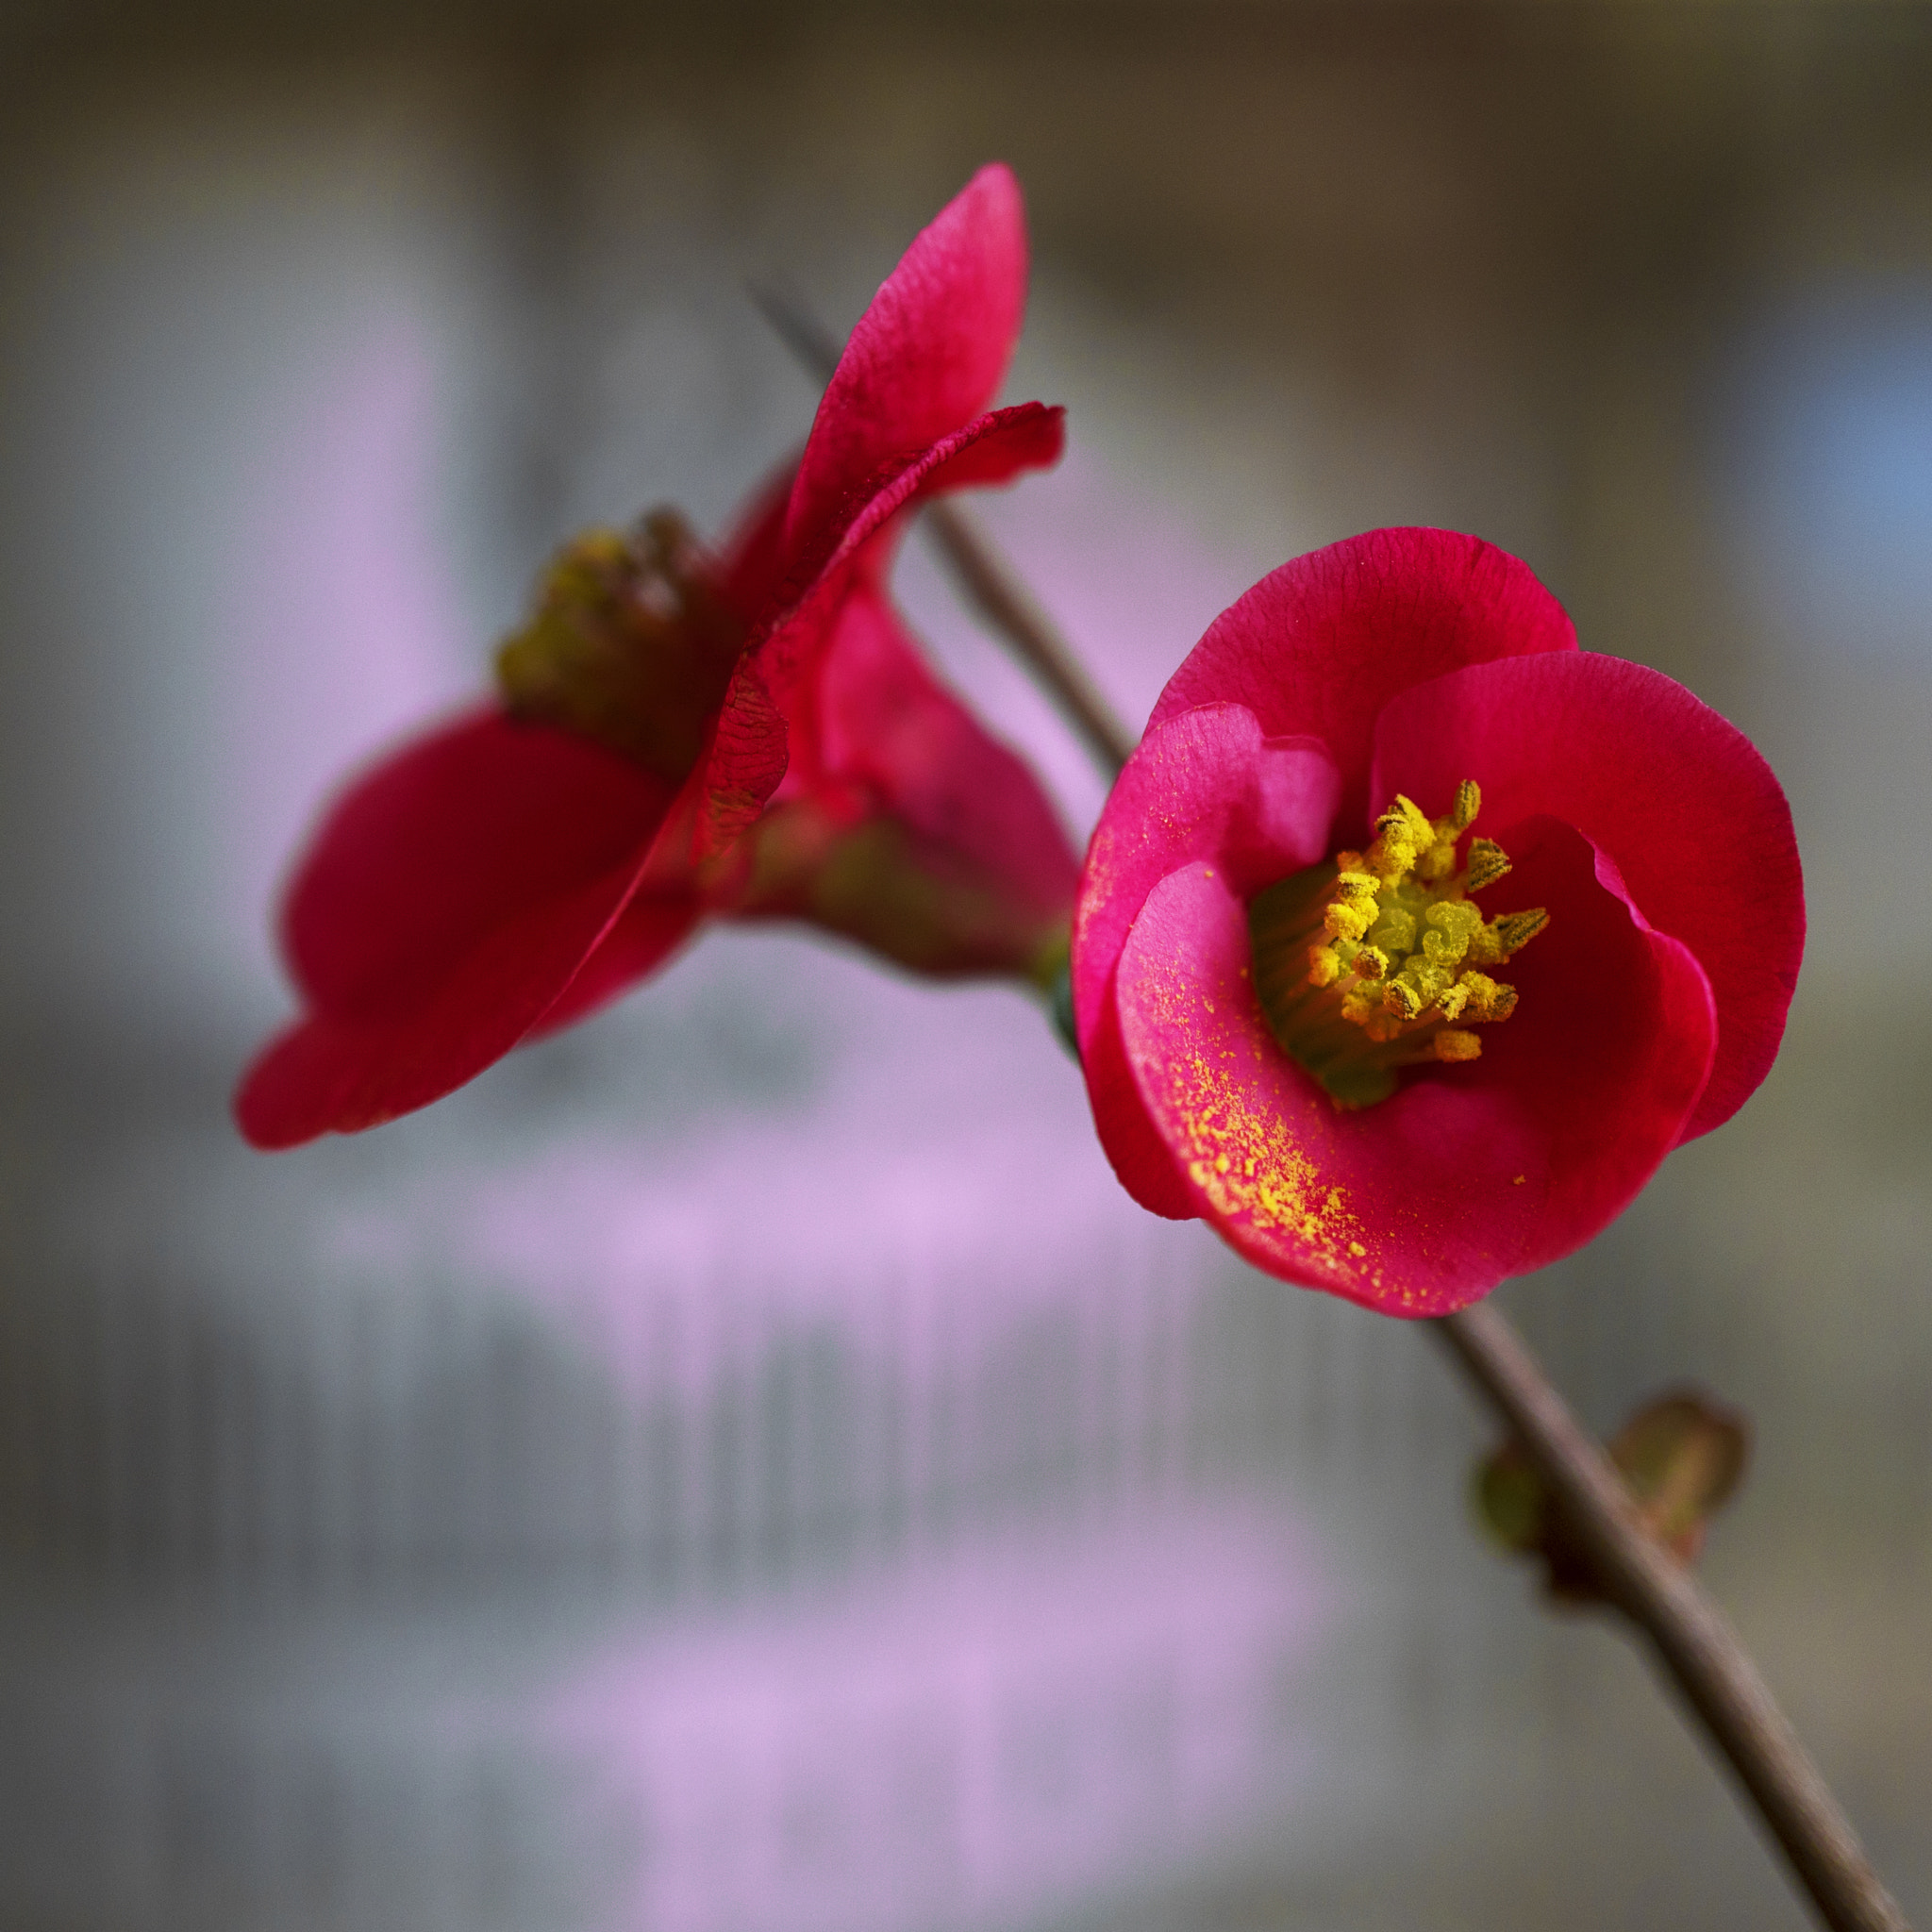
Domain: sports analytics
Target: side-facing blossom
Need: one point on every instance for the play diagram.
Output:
(1289, 939)
(678, 732)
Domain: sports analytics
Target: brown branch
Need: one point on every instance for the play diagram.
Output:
(1692, 1636)
(996, 594)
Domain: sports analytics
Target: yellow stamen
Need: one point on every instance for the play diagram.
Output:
(1375, 961)
(1403, 1000)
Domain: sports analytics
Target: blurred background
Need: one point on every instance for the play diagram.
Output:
(744, 1465)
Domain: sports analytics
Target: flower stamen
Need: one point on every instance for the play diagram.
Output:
(631, 645)
(1376, 960)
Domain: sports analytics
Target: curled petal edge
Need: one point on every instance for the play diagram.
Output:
(1320, 644)
(1207, 785)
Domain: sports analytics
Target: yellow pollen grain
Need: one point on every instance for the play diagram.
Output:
(1248, 1163)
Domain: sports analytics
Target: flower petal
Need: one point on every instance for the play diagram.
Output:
(885, 726)
(1676, 799)
(1143, 1162)
(1319, 646)
(448, 840)
(928, 353)
(341, 1070)
(750, 750)
(1611, 1043)
(652, 926)
(992, 451)
(446, 901)
(1468, 1174)
(1204, 786)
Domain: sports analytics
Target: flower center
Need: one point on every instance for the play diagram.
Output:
(631, 645)
(1376, 960)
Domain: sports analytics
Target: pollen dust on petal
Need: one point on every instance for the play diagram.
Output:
(1245, 1157)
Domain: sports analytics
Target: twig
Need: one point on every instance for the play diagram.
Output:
(813, 346)
(977, 569)
(1692, 1636)
(997, 595)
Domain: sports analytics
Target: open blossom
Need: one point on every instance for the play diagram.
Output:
(678, 732)
(1413, 938)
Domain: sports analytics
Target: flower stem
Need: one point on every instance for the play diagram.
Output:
(1002, 600)
(1692, 1636)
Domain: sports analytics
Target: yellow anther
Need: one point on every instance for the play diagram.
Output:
(1516, 929)
(1488, 862)
(1487, 1000)
(1392, 854)
(1394, 952)
(1348, 918)
(1402, 833)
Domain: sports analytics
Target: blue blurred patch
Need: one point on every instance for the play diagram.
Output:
(1826, 462)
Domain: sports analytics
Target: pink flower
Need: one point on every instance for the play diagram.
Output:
(1280, 965)
(752, 733)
